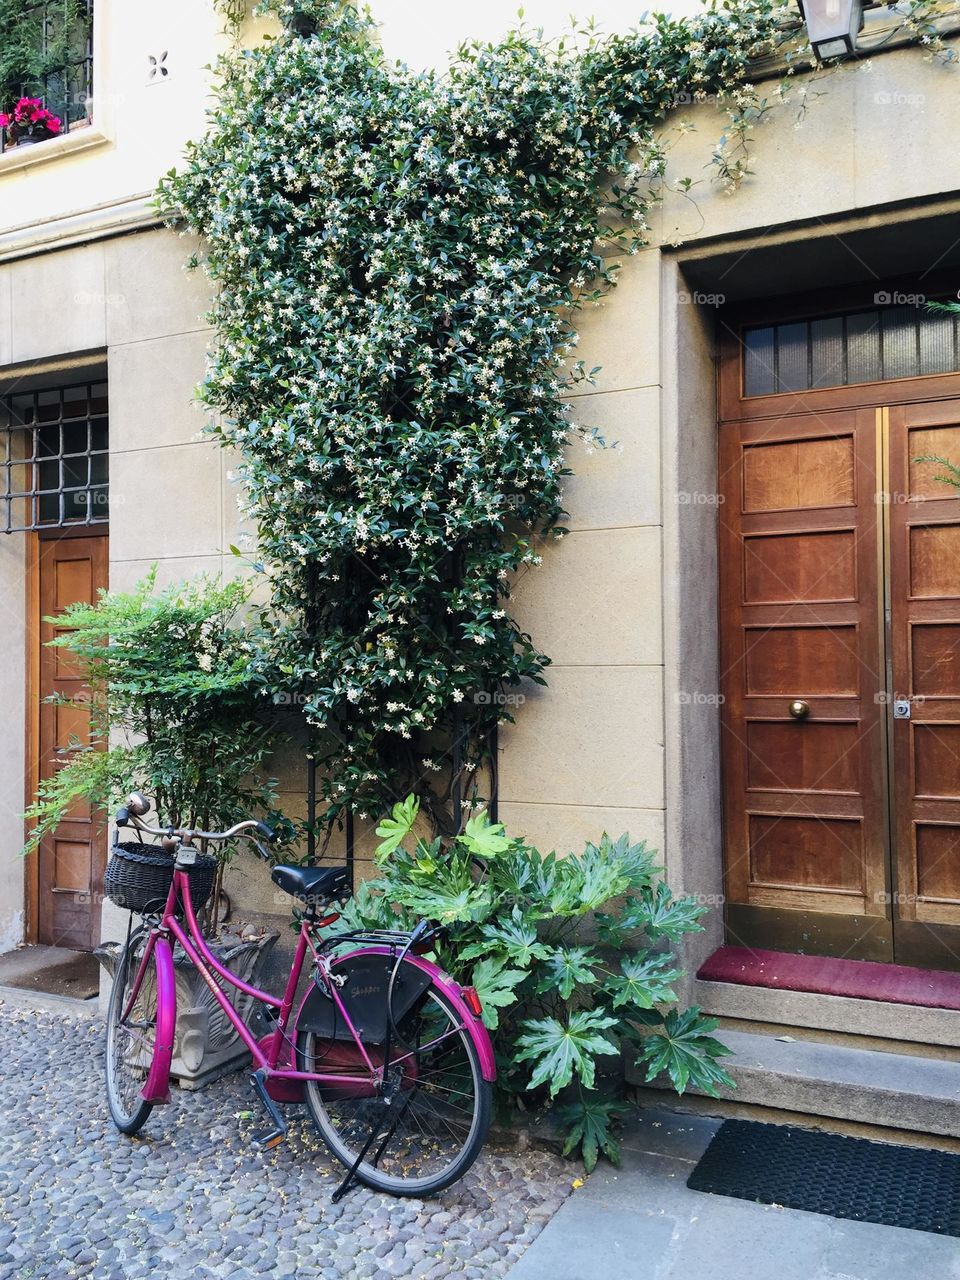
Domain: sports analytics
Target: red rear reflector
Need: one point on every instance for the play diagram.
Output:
(473, 1001)
(322, 924)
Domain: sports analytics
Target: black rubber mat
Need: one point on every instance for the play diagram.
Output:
(832, 1174)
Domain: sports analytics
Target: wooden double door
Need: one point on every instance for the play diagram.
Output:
(840, 671)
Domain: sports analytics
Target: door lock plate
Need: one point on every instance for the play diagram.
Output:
(901, 708)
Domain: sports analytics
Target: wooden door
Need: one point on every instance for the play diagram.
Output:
(924, 593)
(72, 858)
(802, 667)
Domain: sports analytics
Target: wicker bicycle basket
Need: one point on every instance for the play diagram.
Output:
(138, 877)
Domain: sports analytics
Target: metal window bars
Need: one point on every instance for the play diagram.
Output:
(55, 457)
(66, 89)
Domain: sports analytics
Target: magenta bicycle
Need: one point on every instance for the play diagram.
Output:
(389, 1054)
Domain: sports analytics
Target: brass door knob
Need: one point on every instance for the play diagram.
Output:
(799, 709)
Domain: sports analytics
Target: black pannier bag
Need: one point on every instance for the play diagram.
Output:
(364, 996)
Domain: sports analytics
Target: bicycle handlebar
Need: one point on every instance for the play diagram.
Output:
(128, 815)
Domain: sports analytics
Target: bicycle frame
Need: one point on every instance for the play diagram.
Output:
(284, 1082)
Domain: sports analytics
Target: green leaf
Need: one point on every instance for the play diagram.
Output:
(588, 1124)
(566, 968)
(483, 838)
(644, 980)
(515, 935)
(687, 1052)
(952, 474)
(396, 828)
(443, 905)
(562, 1049)
(603, 875)
(495, 985)
(660, 915)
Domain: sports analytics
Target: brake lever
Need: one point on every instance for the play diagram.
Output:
(264, 853)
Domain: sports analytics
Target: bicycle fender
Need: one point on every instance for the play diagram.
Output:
(475, 1029)
(157, 1087)
(472, 1023)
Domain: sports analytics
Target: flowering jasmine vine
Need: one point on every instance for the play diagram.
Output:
(399, 258)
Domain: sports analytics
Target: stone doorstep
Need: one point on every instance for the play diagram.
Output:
(867, 1086)
(17, 998)
(908, 1023)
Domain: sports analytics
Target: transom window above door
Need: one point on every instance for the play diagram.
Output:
(55, 457)
(873, 345)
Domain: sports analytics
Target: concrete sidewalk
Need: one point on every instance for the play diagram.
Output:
(642, 1223)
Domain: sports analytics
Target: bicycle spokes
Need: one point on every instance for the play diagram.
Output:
(418, 1124)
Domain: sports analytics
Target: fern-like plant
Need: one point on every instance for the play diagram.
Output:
(174, 710)
(571, 957)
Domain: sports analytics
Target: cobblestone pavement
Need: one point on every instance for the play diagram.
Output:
(190, 1198)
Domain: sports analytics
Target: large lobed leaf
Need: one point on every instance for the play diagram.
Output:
(495, 984)
(686, 1050)
(561, 1049)
(588, 1124)
(395, 829)
(564, 969)
(658, 914)
(644, 980)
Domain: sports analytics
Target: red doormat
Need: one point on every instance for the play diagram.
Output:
(825, 975)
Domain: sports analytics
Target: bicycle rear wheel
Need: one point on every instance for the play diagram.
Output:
(429, 1123)
(131, 1041)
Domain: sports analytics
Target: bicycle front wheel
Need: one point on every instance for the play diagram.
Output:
(427, 1126)
(131, 1040)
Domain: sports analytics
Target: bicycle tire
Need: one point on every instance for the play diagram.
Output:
(126, 1055)
(337, 1114)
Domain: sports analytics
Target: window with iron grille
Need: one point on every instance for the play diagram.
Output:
(56, 457)
(886, 341)
(46, 52)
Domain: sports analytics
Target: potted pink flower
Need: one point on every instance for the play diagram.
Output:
(30, 122)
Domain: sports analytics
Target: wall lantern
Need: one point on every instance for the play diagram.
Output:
(832, 26)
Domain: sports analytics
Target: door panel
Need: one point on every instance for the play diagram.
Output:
(794, 568)
(804, 813)
(925, 647)
(71, 859)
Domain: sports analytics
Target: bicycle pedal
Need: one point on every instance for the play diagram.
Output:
(267, 1141)
(273, 1137)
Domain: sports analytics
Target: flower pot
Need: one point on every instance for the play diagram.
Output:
(206, 1046)
(27, 137)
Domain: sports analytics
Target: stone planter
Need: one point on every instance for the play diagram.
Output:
(206, 1045)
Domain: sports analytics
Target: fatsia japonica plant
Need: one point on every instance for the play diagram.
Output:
(571, 958)
(399, 258)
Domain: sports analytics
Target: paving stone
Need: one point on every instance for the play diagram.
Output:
(189, 1197)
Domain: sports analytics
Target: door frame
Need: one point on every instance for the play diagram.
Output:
(733, 408)
(31, 772)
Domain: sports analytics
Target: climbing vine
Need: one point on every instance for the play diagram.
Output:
(399, 258)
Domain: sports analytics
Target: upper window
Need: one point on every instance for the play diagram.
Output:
(55, 457)
(46, 65)
(888, 341)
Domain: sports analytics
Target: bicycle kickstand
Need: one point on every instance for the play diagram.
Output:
(348, 1180)
(351, 1173)
(276, 1135)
